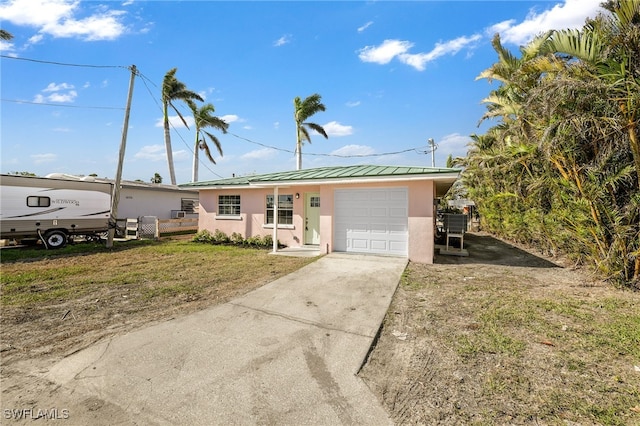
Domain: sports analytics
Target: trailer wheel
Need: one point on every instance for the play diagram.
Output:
(55, 239)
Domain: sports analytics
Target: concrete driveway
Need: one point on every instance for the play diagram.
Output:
(286, 353)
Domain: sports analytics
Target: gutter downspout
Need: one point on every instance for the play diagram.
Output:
(275, 219)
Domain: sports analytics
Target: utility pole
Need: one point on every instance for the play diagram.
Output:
(433, 146)
(115, 198)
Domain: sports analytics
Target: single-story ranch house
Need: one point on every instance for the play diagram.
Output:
(386, 210)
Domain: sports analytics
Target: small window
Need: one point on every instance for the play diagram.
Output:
(34, 201)
(228, 205)
(189, 205)
(314, 201)
(285, 209)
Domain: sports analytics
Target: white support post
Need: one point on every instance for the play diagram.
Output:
(275, 219)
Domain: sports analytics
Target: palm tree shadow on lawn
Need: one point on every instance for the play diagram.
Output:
(484, 249)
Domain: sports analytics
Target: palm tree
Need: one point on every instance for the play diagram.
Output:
(172, 90)
(303, 110)
(204, 118)
(611, 46)
(5, 35)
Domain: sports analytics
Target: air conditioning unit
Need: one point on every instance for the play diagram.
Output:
(178, 214)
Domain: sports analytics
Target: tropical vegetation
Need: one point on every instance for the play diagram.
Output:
(560, 166)
(204, 118)
(303, 110)
(172, 91)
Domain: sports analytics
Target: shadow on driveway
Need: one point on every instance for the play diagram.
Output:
(484, 249)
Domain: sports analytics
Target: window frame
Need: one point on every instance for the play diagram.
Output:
(285, 210)
(234, 207)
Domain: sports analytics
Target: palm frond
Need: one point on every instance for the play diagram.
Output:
(304, 134)
(318, 128)
(585, 46)
(215, 141)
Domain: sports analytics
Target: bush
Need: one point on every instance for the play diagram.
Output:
(237, 238)
(219, 237)
(203, 236)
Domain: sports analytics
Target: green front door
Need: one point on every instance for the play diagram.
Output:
(312, 218)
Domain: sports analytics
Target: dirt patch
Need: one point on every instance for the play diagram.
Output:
(505, 337)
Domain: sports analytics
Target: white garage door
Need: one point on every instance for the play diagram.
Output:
(371, 221)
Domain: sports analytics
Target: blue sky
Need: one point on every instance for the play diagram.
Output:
(391, 74)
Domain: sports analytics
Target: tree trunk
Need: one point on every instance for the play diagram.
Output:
(167, 145)
(194, 170)
(298, 149)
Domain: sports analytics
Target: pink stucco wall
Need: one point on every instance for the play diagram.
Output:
(253, 205)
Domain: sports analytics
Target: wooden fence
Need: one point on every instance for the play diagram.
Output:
(170, 226)
(152, 227)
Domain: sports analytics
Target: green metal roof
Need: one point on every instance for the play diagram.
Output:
(325, 173)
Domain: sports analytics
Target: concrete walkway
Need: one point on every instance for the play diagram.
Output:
(284, 354)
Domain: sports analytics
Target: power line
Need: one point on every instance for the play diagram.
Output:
(16, 101)
(325, 155)
(146, 79)
(64, 63)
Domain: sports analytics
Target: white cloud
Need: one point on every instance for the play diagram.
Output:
(389, 49)
(206, 92)
(454, 144)
(365, 26)
(176, 123)
(44, 158)
(53, 87)
(5, 46)
(58, 19)
(70, 96)
(569, 14)
(285, 39)
(333, 128)
(231, 118)
(152, 153)
(259, 154)
(35, 39)
(60, 93)
(158, 153)
(352, 104)
(354, 150)
(276, 125)
(384, 53)
(451, 47)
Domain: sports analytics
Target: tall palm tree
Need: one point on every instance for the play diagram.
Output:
(303, 110)
(204, 118)
(172, 90)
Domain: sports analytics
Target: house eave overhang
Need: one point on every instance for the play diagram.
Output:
(444, 177)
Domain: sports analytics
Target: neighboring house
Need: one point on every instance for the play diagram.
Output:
(139, 199)
(361, 209)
